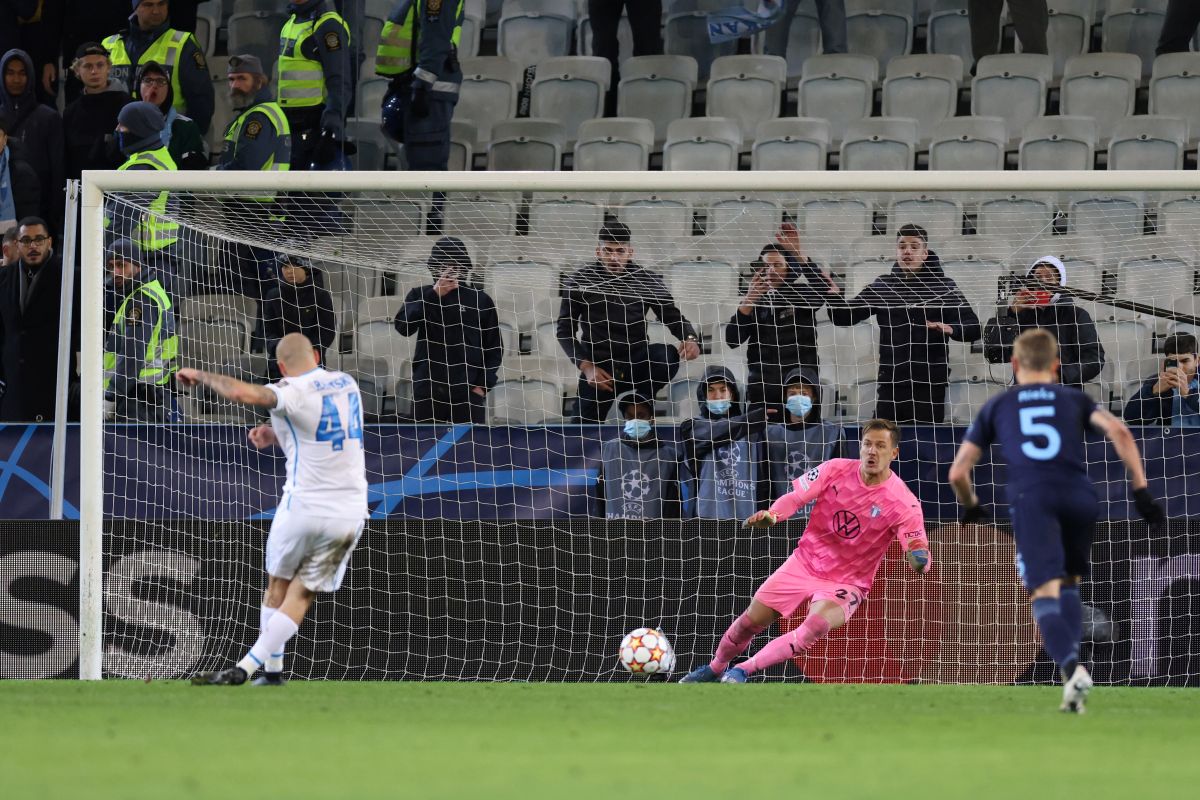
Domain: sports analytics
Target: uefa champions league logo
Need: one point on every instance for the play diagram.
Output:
(635, 485)
(729, 457)
(797, 462)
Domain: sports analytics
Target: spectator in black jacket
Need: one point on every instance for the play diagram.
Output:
(1079, 349)
(604, 305)
(89, 120)
(9, 249)
(777, 316)
(20, 190)
(918, 309)
(1172, 397)
(298, 302)
(458, 340)
(39, 130)
(30, 299)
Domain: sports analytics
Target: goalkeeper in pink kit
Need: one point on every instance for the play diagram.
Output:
(859, 506)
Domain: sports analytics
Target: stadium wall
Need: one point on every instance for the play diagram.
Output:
(430, 471)
(442, 599)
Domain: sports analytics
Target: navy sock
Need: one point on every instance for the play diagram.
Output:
(1056, 633)
(1072, 611)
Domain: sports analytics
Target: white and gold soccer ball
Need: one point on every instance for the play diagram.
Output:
(646, 651)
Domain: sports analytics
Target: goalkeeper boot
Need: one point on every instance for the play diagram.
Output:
(702, 674)
(268, 679)
(1075, 691)
(231, 676)
(734, 675)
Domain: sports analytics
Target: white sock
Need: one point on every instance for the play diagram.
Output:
(274, 660)
(278, 631)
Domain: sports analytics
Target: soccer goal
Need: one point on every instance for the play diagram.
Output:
(504, 542)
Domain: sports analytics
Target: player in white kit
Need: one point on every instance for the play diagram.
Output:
(316, 418)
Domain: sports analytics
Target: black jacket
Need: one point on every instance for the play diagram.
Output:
(86, 123)
(1080, 354)
(458, 336)
(609, 312)
(39, 129)
(29, 342)
(902, 303)
(299, 308)
(781, 329)
(26, 188)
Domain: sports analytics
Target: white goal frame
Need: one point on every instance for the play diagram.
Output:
(96, 183)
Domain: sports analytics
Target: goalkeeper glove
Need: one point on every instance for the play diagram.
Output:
(973, 514)
(1148, 507)
(918, 560)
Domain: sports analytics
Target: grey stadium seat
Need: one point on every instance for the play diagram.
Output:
(257, 33)
(570, 89)
(373, 146)
(685, 32)
(969, 143)
(208, 19)
(1069, 31)
(976, 263)
(1132, 26)
(1013, 87)
(1148, 143)
(657, 88)
(490, 90)
(1058, 143)
(584, 37)
(948, 31)
(841, 218)
(924, 87)
(368, 97)
(1102, 86)
(702, 143)
(941, 217)
(565, 217)
(528, 392)
(526, 144)
(804, 41)
(1156, 270)
(463, 136)
(880, 28)
(530, 31)
(479, 216)
(616, 143)
(796, 143)
(1110, 219)
(965, 398)
(1014, 216)
(839, 88)
(474, 16)
(704, 283)
(1175, 88)
(1179, 214)
(744, 218)
(747, 89)
(880, 143)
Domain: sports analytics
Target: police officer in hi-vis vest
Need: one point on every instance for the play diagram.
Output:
(419, 52)
(316, 83)
(259, 138)
(151, 38)
(141, 349)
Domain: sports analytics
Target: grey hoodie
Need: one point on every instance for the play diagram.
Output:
(793, 448)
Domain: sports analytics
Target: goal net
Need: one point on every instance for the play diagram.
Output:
(518, 526)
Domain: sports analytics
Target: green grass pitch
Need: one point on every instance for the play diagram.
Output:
(124, 739)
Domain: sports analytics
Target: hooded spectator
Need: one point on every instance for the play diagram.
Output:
(38, 128)
(639, 473)
(180, 134)
(804, 439)
(1080, 354)
(298, 303)
(20, 189)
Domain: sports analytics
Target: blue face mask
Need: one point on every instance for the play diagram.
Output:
(719, 407)
(799, 404)
(637, 428)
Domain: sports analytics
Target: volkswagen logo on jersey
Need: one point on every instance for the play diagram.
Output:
(846, 524)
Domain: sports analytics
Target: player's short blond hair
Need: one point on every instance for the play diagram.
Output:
(879, 424)
(1036, 350)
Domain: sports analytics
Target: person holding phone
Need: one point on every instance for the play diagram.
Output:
(1172, 397)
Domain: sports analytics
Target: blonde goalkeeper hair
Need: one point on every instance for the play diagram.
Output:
(295, 353)
(1036, 350)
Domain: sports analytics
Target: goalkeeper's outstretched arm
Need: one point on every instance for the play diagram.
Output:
(247, 394)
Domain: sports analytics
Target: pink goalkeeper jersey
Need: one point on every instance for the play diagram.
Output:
(851, 524)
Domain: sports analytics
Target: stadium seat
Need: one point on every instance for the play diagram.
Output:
(704, 285)
(965, 398)
(685, 33)
(616, 143)
(839, 88)
(1132, 26)
(941, 217)
(474, 16)
(747, 89)
(570, 89)
(375, 334)
(1069, 32)
(657, 223)
(657, 88)
(257, 33)
(1179, 215)
(948, 32)
(976, 263)
(796, 143)
(744, 218)
(1107, 219)
(526, 144)
(391, 221)
(245, 6)
(490, 89)
(924, 87)
(1058, 143)
(565, 217)
(1127, 349)
(1102, 86)
(702, 143)
(369, 31)
(527, 393)
(203, 343)
(839, 218)
(1014, 216)
(1013, 87)
(1175, 88)
(373, 146)
(223, 113)
(531, 31)
(462, 145)
(969, 143)
(583, 34)
(221, 309)
(208, 19)
(880, 143)
(368, 97)
(525, 291)
(376, 382)
(1148, 143)
(1156, 270)
(848, 354)
(804, 41)
(882, 29)
(479, 216)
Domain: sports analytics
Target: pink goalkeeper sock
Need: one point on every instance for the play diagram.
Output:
(734, 642)
(789, 645)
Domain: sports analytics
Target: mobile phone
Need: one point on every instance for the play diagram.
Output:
(1171, 363)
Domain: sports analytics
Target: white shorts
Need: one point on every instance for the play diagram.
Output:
(314, 549)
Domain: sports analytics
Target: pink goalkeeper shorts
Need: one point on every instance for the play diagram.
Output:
(791, 585)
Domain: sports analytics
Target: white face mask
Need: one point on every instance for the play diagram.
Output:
(799, 405)
(637, 428)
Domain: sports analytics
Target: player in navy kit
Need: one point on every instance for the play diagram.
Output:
(1040, 427)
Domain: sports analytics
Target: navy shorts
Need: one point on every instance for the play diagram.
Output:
(1054, 527)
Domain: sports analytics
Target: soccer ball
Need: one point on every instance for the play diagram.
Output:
(646, 651)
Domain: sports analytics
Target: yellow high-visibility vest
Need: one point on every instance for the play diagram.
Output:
(301, 80)
(279, 160)
(396, 53)
(161, 352)
(155, 231)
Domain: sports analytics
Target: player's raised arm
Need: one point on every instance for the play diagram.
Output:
(965, 460)
(247, 394)
(1123, 442)
(804, 490)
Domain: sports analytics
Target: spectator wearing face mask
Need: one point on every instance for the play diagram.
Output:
(639, 473)
(804, 439)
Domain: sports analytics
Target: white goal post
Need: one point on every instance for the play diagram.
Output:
(99, 185)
